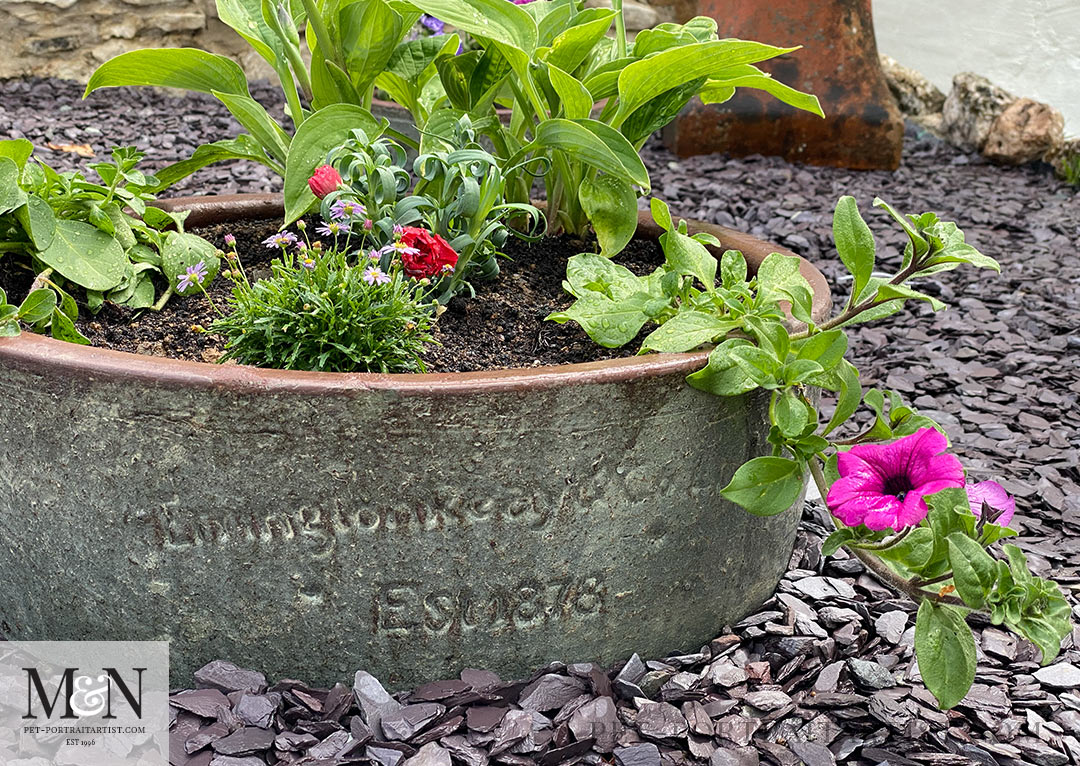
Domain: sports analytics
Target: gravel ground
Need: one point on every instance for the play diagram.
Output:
(824, 674)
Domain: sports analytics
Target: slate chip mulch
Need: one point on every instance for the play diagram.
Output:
(823, 673)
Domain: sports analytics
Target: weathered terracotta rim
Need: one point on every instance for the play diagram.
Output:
(43, 354)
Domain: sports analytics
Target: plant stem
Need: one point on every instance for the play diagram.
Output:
(882, 570)
(853, 311)
(620, 27)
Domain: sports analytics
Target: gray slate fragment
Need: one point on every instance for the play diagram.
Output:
(460, 749)
(597, 719)
(870, 675)
(818, 587)
(384, 756)
(549, 692)
(724, 672)
(645, 754)
(430, 754)
(402, 724)
(812, 753)
(659, 720)
(257, 709)
(1059, 676)
(891, 625)
(726, 756)
(767, 699)
(227, 677)
(373, 699)
(246, 741)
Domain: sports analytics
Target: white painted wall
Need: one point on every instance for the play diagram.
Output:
(1029, 47)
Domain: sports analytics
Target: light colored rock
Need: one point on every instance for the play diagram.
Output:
(638, 16)
(915, 94)
(1026, 131)
(970, 110)
(1066, 160)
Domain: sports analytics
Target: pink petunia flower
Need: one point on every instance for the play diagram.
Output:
(883, 485)
(994, 495)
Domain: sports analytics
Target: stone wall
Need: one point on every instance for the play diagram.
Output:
(69, 38)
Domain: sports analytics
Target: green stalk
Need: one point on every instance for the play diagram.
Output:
(322, 33)
(620, 27)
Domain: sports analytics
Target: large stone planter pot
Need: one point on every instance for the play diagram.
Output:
(311, 524)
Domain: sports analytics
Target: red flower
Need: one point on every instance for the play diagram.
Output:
(426, 254)
(323, 181)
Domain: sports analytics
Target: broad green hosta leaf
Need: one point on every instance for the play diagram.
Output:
(370, 31)
(611, 205)
(411, 66)
(319, 133)
(243, 147)
(603, 81)
(765, 486)
(643, 80)
(658, 112)
(686, 331)
(571, 46)
(854, 243)
(246, 19)
(185, 68)
(258, 122)
(576, 100)
(595, 144)
(945, 650)
(497, 20)
(718, 89)
(85, 255)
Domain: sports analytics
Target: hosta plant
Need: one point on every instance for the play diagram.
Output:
(899, 501)
(582, 99)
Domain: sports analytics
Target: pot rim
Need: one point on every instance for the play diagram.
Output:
(43, 354)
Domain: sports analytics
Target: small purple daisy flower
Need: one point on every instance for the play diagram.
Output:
(230, 240)
(344, 209)
(373, 275)
(333, 228)
(281, 239)
(308, 263)
(194, 275)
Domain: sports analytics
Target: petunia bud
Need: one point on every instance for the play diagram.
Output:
(324, 180)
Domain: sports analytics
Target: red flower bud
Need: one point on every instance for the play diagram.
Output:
(324, 180)
(434, 257)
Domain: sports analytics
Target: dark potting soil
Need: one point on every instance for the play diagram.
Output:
(503, 326)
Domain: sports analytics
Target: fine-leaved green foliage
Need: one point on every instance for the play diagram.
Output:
(326, 319)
